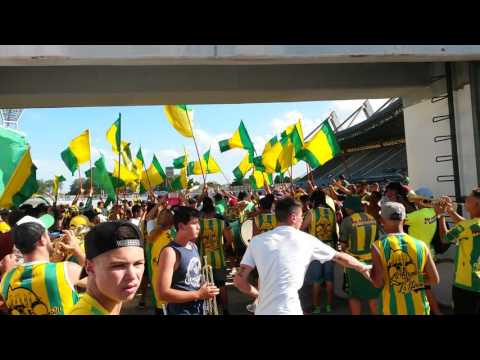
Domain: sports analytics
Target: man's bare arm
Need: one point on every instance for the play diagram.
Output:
(377, 269)
(241, 281)
(431, 273)
(166, 267)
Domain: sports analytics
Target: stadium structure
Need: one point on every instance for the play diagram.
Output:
(373, 150)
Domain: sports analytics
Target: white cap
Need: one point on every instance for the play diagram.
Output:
(46, 220)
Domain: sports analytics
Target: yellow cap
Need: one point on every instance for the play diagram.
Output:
(79, 220)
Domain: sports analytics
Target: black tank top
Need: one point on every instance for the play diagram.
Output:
(186, 278)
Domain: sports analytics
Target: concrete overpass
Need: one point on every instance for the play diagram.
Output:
(103, 75)
(106, 75)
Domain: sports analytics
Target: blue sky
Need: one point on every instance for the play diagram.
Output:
(49, 130)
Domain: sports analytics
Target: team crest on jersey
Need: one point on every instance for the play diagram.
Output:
(22, 301)
(323, 230)
(403, 272)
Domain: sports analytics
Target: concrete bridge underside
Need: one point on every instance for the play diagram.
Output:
(105, 75)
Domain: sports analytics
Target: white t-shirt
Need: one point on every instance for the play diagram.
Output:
(281, 257)
(151, 225)
(135, 221)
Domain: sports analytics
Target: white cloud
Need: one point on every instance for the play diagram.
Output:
(166, 156)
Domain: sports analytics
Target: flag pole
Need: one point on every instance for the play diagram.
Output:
(56, 192)
(148, 177)
(228, 181)
(291, 176)
(119, 155)
(196, 147)
(80, 179)
(91, 168)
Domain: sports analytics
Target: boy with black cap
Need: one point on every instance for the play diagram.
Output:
(115, 264)
(38, 286)
(402, 267)
(179, 275)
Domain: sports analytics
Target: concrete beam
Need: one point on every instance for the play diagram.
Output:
(64, 86)
(69, 55)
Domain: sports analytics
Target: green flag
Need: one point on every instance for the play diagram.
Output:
(17, 172)
(103, 179)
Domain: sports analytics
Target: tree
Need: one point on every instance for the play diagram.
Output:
(237, 182)
(75, 187)
(44, 186)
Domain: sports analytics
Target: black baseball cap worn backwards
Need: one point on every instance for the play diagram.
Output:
(112, 235)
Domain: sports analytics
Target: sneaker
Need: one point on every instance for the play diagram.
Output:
(316, 310)
(251, 307)
(328, 308)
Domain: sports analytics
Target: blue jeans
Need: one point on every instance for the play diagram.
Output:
(319, 273)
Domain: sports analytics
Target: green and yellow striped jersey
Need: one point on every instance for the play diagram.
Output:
(38, 288)
(359, 231)
(88, 306)
(322, 225)
(466, 234)
(265, 222)
(404, 259)
(211, 241)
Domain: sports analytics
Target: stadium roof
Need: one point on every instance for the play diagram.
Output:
(382, 126)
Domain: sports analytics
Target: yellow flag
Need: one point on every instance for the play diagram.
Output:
(126, 175)
(180, 116)
(80, 147)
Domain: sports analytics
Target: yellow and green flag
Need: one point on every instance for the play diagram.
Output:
(292, 144)
(270, 156)
(182, 161)
(240, 139)
(114, 134)
(128, 176)
(18, 180)
(180, 117)
(321, 148)
(156, 175)
(126, 154)
(209, 165)
(180, 182)
(139, 163)
(78, 152)
(103, 179)
(258, 179)
(245, 165)
(56, 182)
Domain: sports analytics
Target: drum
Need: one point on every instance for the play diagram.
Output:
(246, 231)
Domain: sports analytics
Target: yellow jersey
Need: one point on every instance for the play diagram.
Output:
(87, 305)
(359, 231)
(38, 288)
(422, 224)
(157, 242)
(322, 225)
(466, 234)
(265, 222)
(404, 259)
(211, 241)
